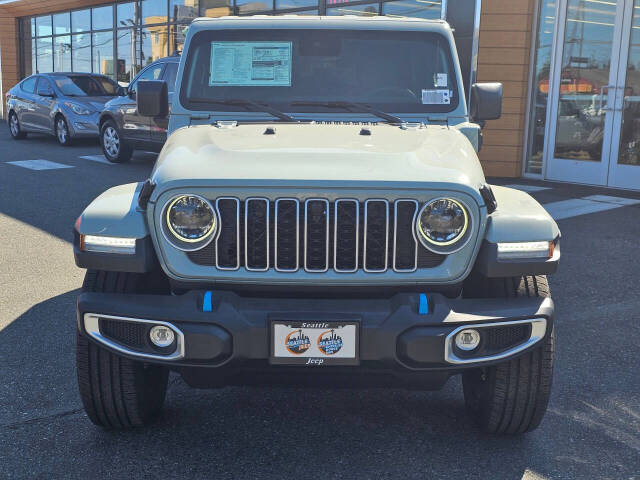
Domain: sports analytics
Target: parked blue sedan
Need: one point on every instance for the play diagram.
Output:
(66, 105)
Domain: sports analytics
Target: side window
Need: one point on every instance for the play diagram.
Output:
(151, 73)
(44, 87)
(29, 85)
(170, 74)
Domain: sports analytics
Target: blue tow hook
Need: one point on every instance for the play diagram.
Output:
(206, 303)
(423, 306)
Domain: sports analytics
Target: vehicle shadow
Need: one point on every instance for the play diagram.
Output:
(51, 200)
(242, 432)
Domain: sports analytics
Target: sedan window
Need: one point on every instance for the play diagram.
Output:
(29, 85)
(81, 86)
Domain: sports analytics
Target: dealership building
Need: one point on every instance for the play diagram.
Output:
(570, 68)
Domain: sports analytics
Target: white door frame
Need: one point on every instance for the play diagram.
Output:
(621, 175)
(579, 171)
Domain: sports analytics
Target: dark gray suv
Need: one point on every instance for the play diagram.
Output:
(66, 105)
(123, 129)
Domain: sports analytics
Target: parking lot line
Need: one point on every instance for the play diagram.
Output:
(583, 206)
(39, 164)
(96, 158)
(528, 188)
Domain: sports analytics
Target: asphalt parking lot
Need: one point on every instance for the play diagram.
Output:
(591, 431)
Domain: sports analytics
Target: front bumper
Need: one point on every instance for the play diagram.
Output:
(396, 333)
(83, 125)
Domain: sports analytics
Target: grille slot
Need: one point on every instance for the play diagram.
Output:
(346, 232)
(345, 235)
(316, 235)
(287, 235)
(228, 242)
(376, 235)
(405, 247)
(256, 234)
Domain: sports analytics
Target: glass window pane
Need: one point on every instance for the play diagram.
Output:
(81, 20)
(29, 85)
(45, 55)
(169, 76)
(589, 36)
(361, 10)
(155, 43)
(81, 52)
(43, 25)
(300, 12)
(62, 53)
(538, 107)
(215, 8)
(183, 10)
(102, 17)
(151, 73)
(103, 53)
(246, 7)
(630, 133)
(128, 54)
(413, 8)
(177, 34)
(154, 11)
(61, 23)
(282, 4)
(127, 14)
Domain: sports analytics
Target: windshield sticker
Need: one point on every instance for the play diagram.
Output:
(436, 97)
(243, 64)
(441, 80)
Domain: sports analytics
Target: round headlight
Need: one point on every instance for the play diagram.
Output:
(190, 219)
(442, 223)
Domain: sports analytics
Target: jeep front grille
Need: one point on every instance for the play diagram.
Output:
(316, 235)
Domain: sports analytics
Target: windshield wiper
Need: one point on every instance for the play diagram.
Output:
(256, 106)
(352, 107)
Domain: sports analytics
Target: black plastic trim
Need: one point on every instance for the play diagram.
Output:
(489, 198)
(239, 326)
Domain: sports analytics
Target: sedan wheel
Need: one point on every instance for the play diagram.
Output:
(14, 127)
(62, 132)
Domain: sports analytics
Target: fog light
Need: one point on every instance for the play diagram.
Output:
(161, 336)
(468, 340)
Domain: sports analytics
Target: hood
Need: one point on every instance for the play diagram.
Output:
(97, 102)
(318, 154)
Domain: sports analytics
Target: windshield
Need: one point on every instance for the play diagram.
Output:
(85, 86)
(392, 71)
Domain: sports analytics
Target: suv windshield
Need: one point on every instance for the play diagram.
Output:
(299, 70)
(85, 86)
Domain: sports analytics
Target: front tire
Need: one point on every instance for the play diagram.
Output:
(114, 148)
(14, 127)
(510, 397)
(62, 131)
(117, 392)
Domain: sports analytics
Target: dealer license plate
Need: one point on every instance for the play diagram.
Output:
(314, 343)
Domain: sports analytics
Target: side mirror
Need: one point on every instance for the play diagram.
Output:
(486, 101)
(46, 92)
(153, 98)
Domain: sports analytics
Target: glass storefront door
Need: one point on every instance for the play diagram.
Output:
(593, 123)
(624, 168)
